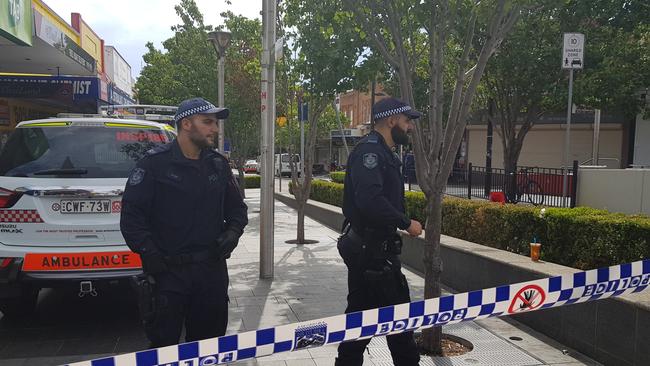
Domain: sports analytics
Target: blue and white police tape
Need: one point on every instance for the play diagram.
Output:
(497, 301)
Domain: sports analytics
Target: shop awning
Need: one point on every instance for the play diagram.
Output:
(52, 52)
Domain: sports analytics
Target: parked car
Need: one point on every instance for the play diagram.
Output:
(251, 166)
(61, 183)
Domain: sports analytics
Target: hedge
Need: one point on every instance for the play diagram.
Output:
(337, 177)
(581, 237)
(252, 181)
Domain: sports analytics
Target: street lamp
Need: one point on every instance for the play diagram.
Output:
(220, 40)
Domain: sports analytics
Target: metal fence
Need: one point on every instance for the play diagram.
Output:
(532, 185)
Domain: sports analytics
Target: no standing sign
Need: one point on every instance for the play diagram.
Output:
(573, 51)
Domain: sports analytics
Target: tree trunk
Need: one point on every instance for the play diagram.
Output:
(302, 187)
(300, 236)
(510, 157)
(431, 338)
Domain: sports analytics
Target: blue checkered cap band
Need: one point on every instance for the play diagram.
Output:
(391, 106)
(512, 299)
(196, 110)
(392, 112)
(194, 106)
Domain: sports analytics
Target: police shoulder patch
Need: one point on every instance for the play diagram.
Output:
(370, 160)
(137, 175)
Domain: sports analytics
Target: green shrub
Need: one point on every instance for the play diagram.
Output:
(252, 181)
(581, 237)
(328, 192)
(337, 177)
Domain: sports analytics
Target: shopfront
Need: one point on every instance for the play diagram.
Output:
(29, 97)
(117, 96)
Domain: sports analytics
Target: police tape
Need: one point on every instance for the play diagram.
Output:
(518, 298)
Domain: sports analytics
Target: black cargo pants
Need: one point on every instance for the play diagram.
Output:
(368, 289)
(194, 295)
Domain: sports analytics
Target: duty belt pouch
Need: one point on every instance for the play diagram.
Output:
(392, 245)
(350, 248)
(384, 284)
(144, 287)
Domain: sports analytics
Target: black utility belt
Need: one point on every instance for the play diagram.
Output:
(390, 244)
(190, 258)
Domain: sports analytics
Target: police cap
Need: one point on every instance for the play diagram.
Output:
(190, 107)
(391, 106)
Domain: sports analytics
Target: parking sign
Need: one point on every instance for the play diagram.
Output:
(573, 51)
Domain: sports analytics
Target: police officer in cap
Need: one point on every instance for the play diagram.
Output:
(182, 212)
(373, 205)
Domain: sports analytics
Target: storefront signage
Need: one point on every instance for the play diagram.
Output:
(66, 87)
(16, 21)
(52, 35)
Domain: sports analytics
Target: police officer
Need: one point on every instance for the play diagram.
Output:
(373, 205)
(182, 212)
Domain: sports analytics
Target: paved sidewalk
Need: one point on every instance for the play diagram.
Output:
(310, 283)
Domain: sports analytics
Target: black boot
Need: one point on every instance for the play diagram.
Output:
(347, 362)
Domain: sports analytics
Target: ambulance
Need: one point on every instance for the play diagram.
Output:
(61, 184)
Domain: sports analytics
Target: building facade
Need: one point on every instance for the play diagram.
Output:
(53, 68)
(118, 71)
(544, 144)
(356, 105)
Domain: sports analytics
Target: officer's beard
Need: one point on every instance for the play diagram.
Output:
(199, 140)
(400, 137)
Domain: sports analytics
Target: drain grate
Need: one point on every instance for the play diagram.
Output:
(489, 350)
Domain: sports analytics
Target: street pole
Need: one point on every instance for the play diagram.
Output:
(338, 120)
(488, 151)
(594, 151)
(220, 40)
(220, 68)
(268, 140)
(567, 141)
(572, 58)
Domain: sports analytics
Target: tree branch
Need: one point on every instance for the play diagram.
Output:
(486, 51)
(370, 29)
(457, 98)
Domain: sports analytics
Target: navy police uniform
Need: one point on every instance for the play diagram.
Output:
(373, 205)
(174, 210)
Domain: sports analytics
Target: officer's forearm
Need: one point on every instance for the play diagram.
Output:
(379, 211)
(236, 214)
(145, 247)
(136, 232)
(237, 222)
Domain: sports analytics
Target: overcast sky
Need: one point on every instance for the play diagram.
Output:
(129, 24)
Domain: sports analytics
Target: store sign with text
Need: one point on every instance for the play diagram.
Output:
(49, 33)
(16, 21)
(66, 88)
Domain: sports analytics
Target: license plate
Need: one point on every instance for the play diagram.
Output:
(85, 206)
(80, 261)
